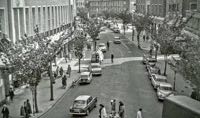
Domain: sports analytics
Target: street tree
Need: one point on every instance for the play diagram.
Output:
(93, 29)
(79, 44)
(141, 23)
(126, 17)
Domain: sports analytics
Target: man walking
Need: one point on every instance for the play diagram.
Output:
(69, 70)
(61, 71)
(121, 109)
(112, 58)
(11, 94)
(102, 111)
(113, 106)
(29, 110)
(139, 113)
(5, 111)
(108, 45)
(64, 81)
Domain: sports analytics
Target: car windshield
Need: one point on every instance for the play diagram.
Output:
(79, 104)
(84, 76)
(95, 66)
(160, 80)
(166, 88)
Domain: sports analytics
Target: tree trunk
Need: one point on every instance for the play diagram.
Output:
(51, 82)
(156, 54)
(133, 33)
(95, 45)
(165, 69)
(35, 95)
(138, 40)
(124, 28)
(79, 65)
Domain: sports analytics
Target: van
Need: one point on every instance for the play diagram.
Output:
(180, 107)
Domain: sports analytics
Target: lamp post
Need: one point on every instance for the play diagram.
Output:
(33, 83)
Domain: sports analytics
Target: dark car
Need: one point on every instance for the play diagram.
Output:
(95, 58)
(83, 104)
(153, 70)
(149, 60)
(117, 40)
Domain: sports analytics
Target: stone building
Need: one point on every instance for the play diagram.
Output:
(98, 6)
(19, 17)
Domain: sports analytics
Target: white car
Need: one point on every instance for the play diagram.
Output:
(96, 69)
(102, 47)
(86, 77)
(164, 90)
(117, 40)
(157, 79)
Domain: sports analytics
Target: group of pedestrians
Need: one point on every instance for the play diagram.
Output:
(25, 109)
(113, 113)
(63, 75)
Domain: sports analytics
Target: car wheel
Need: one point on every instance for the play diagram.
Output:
(87, 112)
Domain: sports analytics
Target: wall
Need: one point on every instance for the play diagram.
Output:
(45, 2)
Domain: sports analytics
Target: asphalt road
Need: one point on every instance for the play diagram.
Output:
(127, 82)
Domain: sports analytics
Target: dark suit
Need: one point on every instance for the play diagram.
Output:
(5, 112)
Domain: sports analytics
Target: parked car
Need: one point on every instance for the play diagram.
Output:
(95, 58)
(157, 79)
(153, 70)
(96, 69)
(148, 59)
(164, 90)
(83, 104)
(86, 77)
(102, 47)
(117, 40)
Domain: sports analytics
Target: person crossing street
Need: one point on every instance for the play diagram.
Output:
(112, 58)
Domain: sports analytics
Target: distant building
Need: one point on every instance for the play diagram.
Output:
(80, 3)
(98, 6)
(132, 5)
(19, 17)
(193, 26)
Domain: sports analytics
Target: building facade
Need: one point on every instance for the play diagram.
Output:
(193, 26)
(132, 6)
(80, 3)
(19, 17)
(98, 6)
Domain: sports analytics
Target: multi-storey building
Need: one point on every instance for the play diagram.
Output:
(193, 26)
(98, 6)
(19, 17)
(132, 5)
(80, 3)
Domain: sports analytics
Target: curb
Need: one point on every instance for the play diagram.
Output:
(59, 99)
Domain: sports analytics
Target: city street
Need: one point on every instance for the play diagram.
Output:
(127, 82)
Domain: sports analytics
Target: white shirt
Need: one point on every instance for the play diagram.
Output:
(103, 113)
(139, 114)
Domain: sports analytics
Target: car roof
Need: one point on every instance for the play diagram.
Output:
(85, 73)
(160, 76)
(165, 84)
(101, 43)
(95, 64)
(83, 97)
(116, 37)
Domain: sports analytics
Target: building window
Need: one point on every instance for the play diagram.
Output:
(193, 6)
(1, 22)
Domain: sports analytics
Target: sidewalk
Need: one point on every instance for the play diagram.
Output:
(43, 89)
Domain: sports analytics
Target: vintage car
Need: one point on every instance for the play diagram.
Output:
(164, 90)
(95, 68)
(117, 40)
(85, 77)
(102, 47)
(149, 60)
(157, 79)
(153, 70)
(83, 104)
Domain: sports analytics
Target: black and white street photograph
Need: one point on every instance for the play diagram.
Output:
(99, 58)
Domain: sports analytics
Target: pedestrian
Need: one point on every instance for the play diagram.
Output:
(139, 113)
(113, 106)
(22, 111)
(64, 81)
(29, 110)
(69, 70)
(61, 71)
(147, 37)
(26, 109)
(5, 111)
(108, 45)
(11, 94)
(57, 70)
(112, 58)
(102, 111)
(55, 75)
(121, 109)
